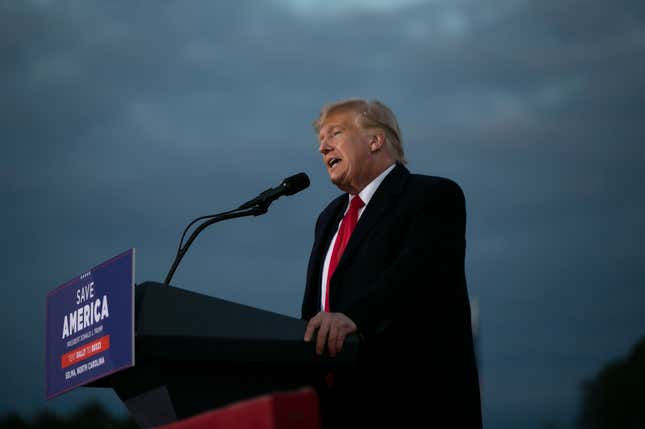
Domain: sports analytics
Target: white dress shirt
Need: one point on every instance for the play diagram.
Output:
(366, 195)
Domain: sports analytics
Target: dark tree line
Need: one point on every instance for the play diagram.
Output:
(615, 397)
(92, 415)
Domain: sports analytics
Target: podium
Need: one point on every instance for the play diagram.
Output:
(194, 353)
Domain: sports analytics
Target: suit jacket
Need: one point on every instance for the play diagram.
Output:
(401, 280)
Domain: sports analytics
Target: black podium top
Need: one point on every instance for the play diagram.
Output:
(173, 323)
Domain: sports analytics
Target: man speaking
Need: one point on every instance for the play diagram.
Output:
(388, 264)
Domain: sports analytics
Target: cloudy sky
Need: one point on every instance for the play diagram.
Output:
(123, 120)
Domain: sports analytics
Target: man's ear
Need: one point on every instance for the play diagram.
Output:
(377, 141)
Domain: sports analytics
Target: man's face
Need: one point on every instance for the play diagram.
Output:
(345, 148)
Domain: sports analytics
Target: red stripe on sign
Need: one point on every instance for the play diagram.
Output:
(83, 352)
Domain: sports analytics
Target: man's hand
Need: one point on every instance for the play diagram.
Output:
(332, 329)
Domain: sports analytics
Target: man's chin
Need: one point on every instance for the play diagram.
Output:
(340, 184)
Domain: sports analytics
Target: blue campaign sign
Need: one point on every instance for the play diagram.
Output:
(90, 325)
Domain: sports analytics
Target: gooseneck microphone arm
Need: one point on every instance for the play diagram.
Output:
(255, 207)
(253, 211)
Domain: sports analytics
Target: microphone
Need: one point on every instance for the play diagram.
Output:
(289, 186)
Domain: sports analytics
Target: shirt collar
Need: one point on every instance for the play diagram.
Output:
(368, 192)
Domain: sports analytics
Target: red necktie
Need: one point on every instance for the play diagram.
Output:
(344, 232)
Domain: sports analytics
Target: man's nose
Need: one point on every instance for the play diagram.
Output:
(323, 146)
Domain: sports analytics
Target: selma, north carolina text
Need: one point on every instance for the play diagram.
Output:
(85, 367)
(85, 316)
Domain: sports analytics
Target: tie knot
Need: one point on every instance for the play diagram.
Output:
(356, 203)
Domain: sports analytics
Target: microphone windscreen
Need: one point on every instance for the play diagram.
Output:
(295, 183)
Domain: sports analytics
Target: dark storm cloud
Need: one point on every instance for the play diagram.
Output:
(123, 120)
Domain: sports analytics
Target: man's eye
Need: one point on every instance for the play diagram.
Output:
(335, 133)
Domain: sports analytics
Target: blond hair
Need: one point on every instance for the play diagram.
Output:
(370, 114)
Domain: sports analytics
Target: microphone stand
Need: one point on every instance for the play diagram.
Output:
(256, 210)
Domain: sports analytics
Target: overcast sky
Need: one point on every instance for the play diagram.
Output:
(123, 120)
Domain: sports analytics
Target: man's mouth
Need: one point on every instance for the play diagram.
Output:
(333, 162)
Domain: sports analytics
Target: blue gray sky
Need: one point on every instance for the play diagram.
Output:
(123, 120)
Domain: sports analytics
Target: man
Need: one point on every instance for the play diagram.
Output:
(387, 264)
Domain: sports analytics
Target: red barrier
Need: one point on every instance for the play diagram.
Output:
(281, 410)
